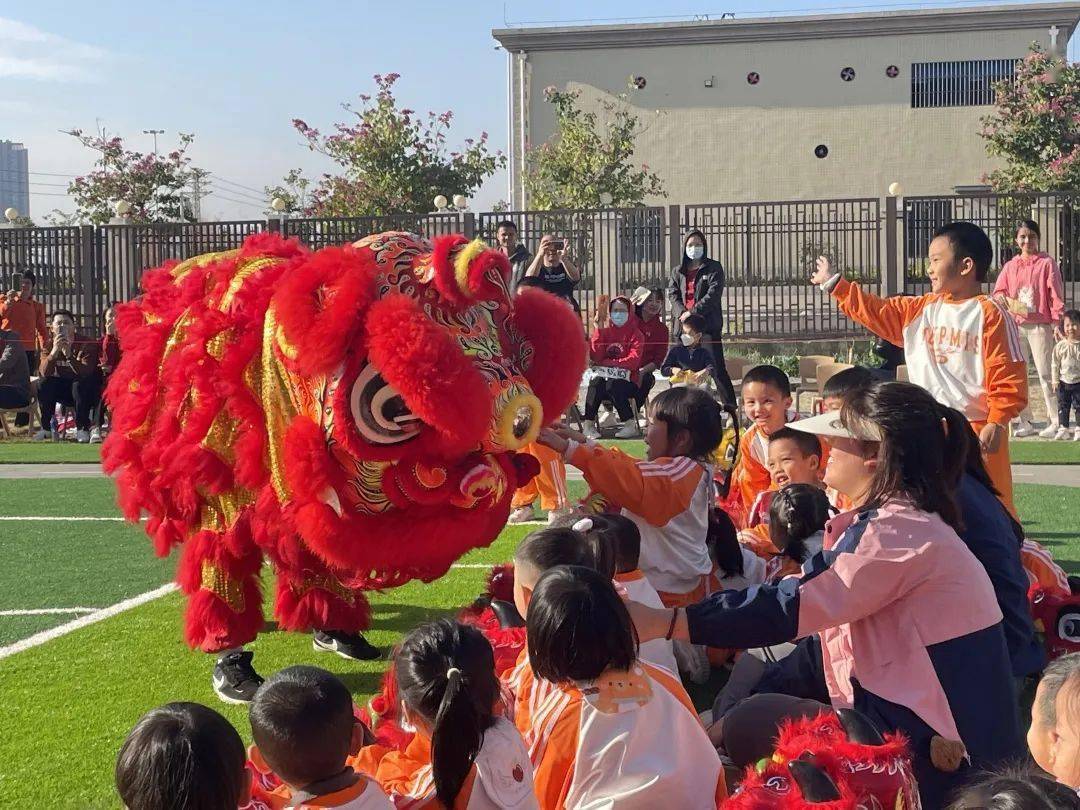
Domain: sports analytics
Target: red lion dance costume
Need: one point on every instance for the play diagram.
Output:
(351, 414)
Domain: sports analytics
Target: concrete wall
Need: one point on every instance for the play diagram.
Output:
(741, 142)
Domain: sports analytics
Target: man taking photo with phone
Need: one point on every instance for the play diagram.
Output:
(69, 375)
(553, 271)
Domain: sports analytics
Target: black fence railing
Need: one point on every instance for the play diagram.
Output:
(768, 250)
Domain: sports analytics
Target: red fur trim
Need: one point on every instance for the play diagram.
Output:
(500, 582)
(319, 609)
(559, 350)
(482, 287)
(273, 244)
(443, 263)
(428, 368)
(320, 306)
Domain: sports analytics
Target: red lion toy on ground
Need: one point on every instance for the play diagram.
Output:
(351, 414)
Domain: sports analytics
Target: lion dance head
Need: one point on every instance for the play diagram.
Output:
(355, 414)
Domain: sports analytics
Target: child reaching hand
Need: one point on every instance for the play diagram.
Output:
(669, 495)
(465, 755)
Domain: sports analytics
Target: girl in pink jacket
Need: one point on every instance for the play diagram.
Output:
(1031, 285)
(909, 627)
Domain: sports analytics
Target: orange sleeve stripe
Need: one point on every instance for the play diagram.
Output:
(1005, 369)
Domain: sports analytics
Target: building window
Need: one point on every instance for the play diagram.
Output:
(958, 84)
(921, 219)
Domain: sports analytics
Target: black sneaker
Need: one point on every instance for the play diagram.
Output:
(347, 645)
(235, 680)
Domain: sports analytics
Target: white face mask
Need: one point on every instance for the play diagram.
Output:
(694, 252)
(687, 340)
(620, 318)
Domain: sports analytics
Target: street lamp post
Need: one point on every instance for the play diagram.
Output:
(155, 133)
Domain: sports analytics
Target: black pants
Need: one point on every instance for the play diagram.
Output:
(1068, 396)
(83, 393)
(723, 379)
(647, 383)
(12, 397)
(23, 419)
(620, 392)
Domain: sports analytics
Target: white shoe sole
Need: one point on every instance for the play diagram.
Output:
(225, 698)
(322, 648)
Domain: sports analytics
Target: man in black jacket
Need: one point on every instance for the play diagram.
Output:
(696, 286)
(506, 237)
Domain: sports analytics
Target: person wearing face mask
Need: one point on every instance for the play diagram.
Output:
(649, 308)
(553, 271)
(696, 287)
(689, 354)
(616, 348)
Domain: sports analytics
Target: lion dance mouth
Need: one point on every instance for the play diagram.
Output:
(355, 415)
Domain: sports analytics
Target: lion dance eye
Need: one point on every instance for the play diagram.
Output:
(380, 413)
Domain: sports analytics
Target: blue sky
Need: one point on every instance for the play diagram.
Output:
(236, 72)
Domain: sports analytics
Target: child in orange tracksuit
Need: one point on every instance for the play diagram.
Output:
(669, 495)
(960, 345)
(549, 485)
(766, 395)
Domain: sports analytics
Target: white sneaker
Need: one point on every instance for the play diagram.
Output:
(82, 436)
(556, 515)
(629, 430)
(1063, 435)
(609, 420)
(1023, 428)
(41, 436)
(589, 429)
(1049, 431)
(523, 514)
(95, 436)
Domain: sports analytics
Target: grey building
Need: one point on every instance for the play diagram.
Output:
(14, 178)
(788, 108)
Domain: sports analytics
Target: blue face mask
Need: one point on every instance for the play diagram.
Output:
(620, 318)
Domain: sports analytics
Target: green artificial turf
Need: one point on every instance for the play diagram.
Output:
(48, 452)
(1044, 452)
(68, 704)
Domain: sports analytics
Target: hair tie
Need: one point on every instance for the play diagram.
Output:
(583, 525)
(451, 671)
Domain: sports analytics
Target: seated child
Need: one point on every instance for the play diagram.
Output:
(1054, 738)
(182, 755)
(604, 729)
(766, 395)
(795, 457)
(465, 754)
(304, 731)
(689, 360)
(668, 496)
(621, 535)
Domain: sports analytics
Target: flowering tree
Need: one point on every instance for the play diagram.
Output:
(292, 191)
(1035, 126)
(585, 165)
(392, 160)
(155, 185)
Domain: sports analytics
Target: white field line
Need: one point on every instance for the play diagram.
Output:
(58, 517)
(85, 621)
(47, 611)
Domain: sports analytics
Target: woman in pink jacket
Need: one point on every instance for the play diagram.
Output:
(1031, 285)
(910, 630)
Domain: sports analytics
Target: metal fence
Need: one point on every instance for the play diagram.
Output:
(767, 249)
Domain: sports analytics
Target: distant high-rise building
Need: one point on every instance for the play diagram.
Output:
(14, 177)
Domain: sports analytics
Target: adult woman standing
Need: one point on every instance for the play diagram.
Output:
(695, 287)
(910, 630)
(1032, 287)
(553, 270)
(649, 308)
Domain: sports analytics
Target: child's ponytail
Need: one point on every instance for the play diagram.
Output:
(446, 674)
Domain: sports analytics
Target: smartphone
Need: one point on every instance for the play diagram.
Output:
(558, 245)
(16, 282)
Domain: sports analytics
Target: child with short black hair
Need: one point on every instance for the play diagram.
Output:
(464, 754)
(621, 539)
(304, 730)
(669, 495)
(842, 383)
(689, 360)
(1065, 375)
(766, 396)
(603, 728)
(544, 549)
(182, 755)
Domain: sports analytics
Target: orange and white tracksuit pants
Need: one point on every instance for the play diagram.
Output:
(549, 484)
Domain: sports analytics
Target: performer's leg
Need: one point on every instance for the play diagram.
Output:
(596, 394)
(550, 482)
(998, 466)
(313, 596)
